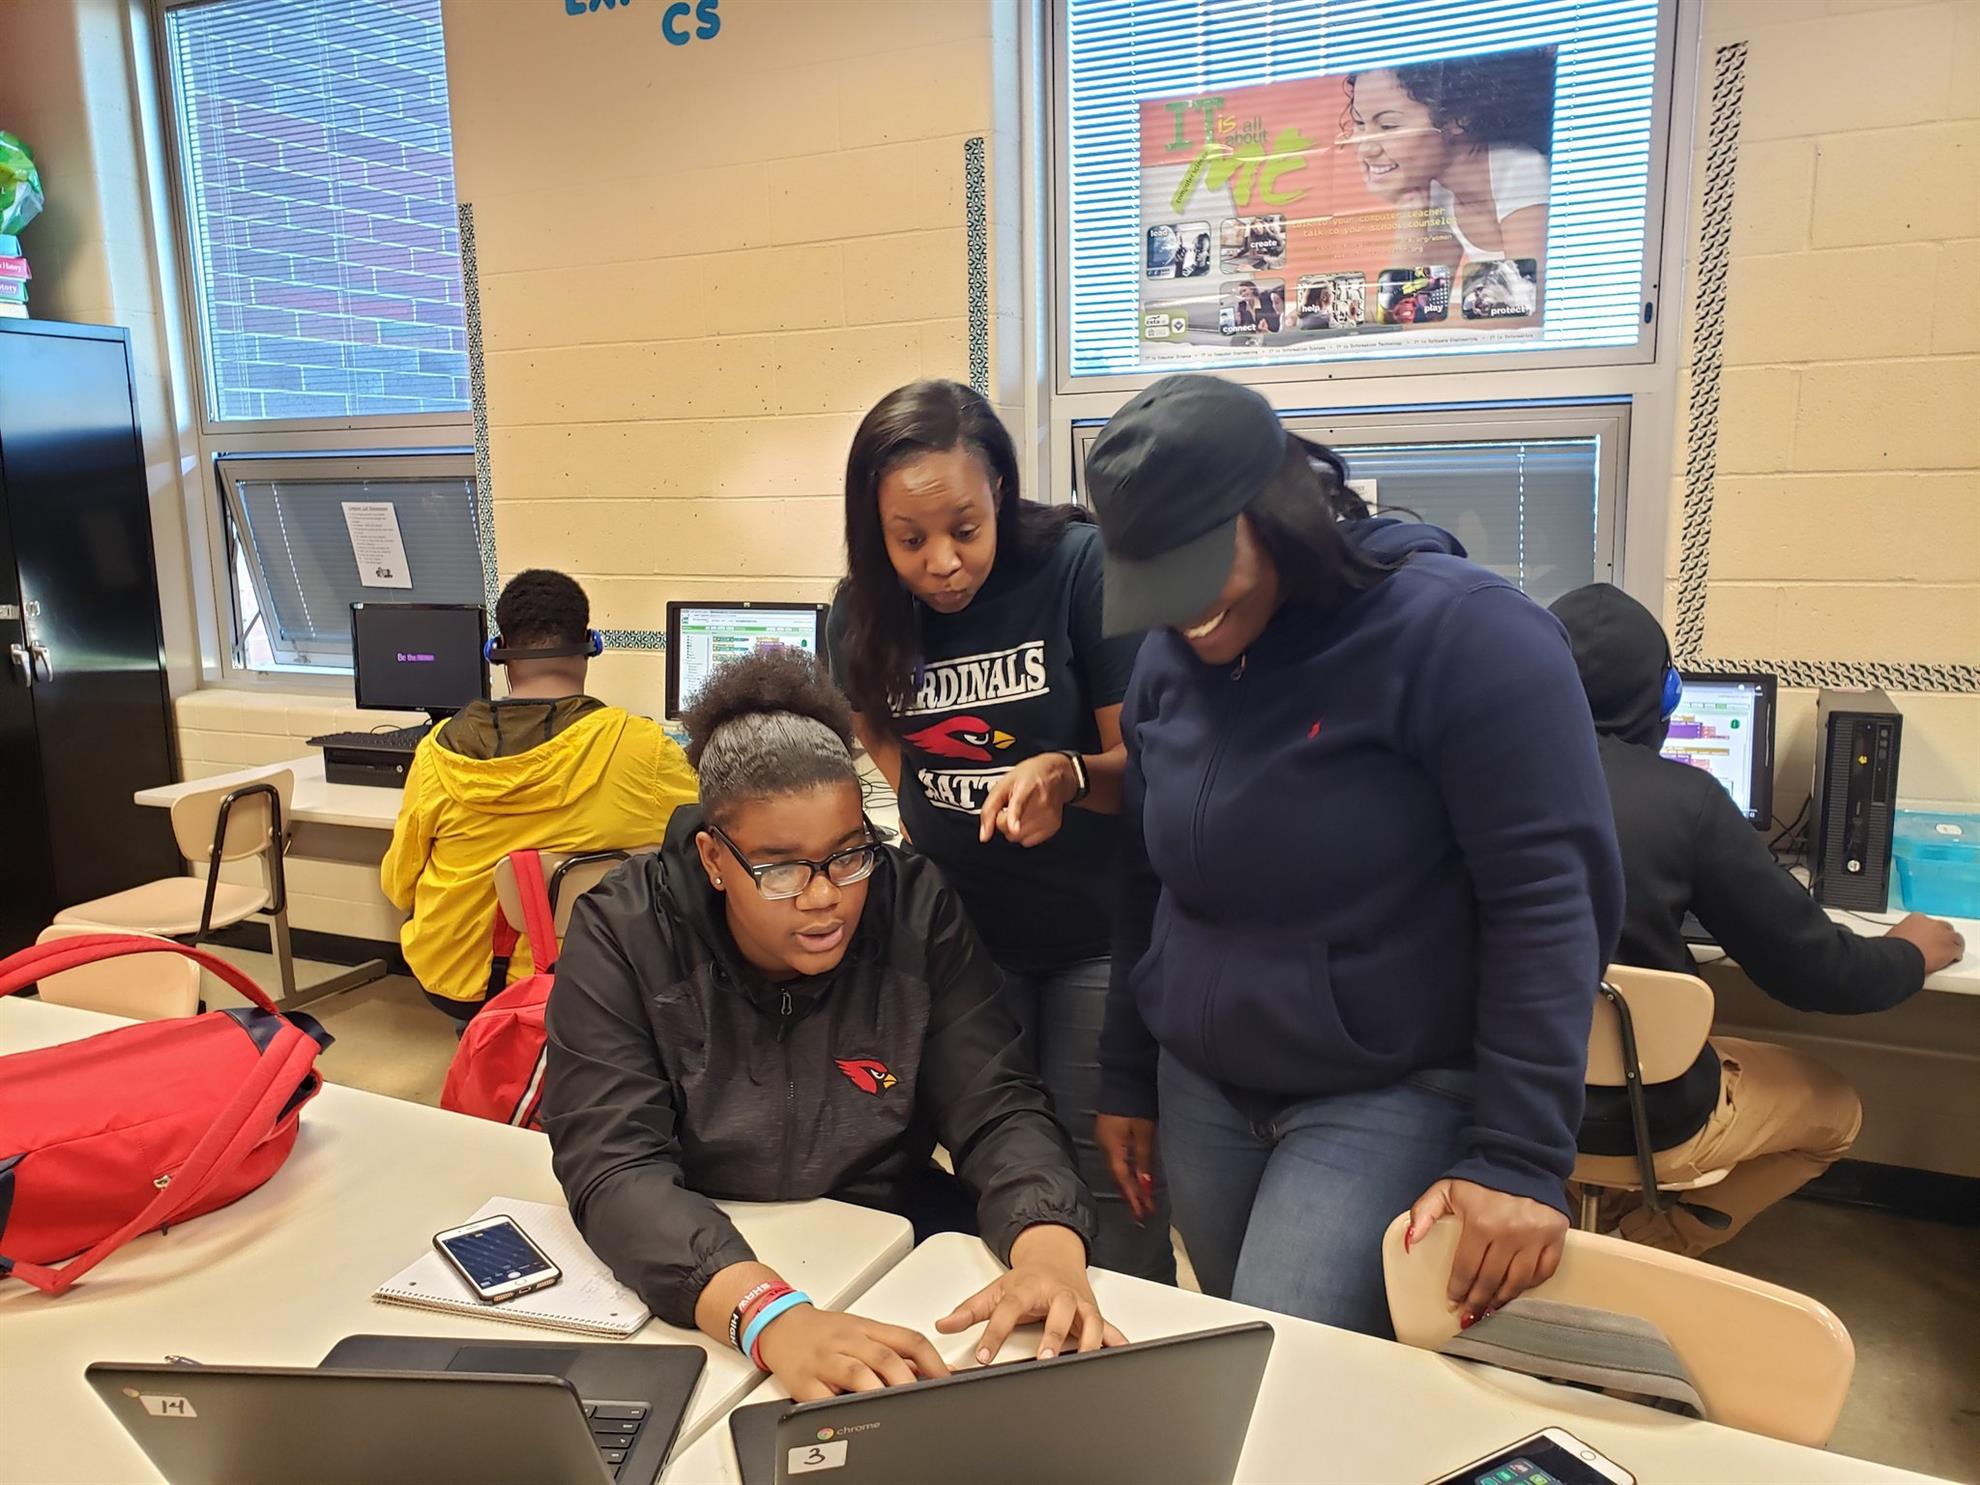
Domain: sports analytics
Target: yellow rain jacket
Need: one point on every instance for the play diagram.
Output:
(569, 775)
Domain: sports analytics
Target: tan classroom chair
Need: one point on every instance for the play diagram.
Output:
(567, 876)
(231, 822)
(1763, 1358)
(145, 987)
(1666, 1019)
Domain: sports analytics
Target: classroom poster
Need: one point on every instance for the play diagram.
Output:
(1407, 201)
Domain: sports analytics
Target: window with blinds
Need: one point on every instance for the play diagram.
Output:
(296, 560)
(1534, 491)
(1525, 508)
(316, 164)
(1261, 182)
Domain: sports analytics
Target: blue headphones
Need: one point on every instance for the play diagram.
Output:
(496, 653)
(1673, 692)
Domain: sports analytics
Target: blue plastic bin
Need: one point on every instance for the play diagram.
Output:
(1938, 862)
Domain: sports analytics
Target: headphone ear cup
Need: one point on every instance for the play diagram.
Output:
(488, 648)
(597, 644)
(1673, 691)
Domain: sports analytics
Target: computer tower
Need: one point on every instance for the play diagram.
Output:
(1854, 803)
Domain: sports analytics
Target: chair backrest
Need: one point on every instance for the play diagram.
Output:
(1763, 1358)
(250, 820)
(145, 987)
(567, 875)
(1671, 1015)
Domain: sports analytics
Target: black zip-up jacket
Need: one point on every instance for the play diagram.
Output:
(678, 1075)
(1687, 848)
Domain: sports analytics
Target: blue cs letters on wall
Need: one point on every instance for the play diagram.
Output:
(673, 20)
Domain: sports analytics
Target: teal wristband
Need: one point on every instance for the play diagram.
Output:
(768, 1313)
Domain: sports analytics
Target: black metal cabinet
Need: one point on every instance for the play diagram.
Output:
(85, 715)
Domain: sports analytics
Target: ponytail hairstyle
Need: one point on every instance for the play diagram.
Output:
(767, 725)
(1298, 515)
(881, 645)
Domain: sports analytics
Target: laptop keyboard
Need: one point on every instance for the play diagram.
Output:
(397, 740)
(615, 1429)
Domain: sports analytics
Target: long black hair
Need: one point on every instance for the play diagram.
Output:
(1298, 517)
(1497, 98)
(880, 642)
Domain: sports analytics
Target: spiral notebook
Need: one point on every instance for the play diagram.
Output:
(587, 1300)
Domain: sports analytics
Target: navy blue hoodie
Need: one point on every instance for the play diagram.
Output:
(1382, 845)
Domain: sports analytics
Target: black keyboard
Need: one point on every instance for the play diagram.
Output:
(615, 1429)
(393, 740)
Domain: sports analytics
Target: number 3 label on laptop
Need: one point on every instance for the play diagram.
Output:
(808, 1457)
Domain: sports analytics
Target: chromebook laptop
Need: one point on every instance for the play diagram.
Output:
(1172, 1409)
(438, 1410)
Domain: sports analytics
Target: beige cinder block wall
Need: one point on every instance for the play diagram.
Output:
(699, 264)
(1846, 523)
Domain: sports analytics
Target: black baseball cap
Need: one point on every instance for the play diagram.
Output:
(1168, 477)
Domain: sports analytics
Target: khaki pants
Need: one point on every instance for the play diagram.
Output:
(1782, 1120)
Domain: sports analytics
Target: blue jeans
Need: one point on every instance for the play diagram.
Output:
(1286, 1210)
(1061, 1014)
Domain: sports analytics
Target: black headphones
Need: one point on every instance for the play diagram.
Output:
(497, 653)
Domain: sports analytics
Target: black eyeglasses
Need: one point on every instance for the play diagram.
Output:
(782, 880)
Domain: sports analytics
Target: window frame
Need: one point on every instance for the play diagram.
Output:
(209, 535)
(1605, 419)
(1649, 331)
(381, 464)
(1649, 378)
(445, 427)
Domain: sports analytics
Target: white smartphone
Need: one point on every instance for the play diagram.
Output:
(496, 1259)
(1552, 1456)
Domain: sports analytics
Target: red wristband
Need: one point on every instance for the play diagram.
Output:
(754, 1301)
(748, 1302)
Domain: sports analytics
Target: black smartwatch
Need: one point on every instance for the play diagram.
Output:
(1079, 773)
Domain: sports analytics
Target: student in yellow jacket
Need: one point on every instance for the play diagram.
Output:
(544, 768)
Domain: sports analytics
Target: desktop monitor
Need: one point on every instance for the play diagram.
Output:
(1725, 725)
(419, 657)
(700, 636)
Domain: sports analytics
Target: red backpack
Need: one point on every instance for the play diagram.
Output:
(497, 1072)
(129, 1130)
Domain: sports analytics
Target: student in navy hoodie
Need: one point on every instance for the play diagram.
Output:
(1374, 881)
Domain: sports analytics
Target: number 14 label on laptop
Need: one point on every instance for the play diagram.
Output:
(808, 1457)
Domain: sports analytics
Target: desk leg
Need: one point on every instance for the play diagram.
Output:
(350, 979)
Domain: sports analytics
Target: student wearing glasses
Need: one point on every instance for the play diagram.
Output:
(777, 1007)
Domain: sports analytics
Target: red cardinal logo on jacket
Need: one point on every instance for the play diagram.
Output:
(961, 737)
(867, 1075)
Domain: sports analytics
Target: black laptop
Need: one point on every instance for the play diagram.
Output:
(1172, 1409)
(438, 1410)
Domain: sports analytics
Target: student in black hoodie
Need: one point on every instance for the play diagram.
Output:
(776, 1007)
(1779, 1118)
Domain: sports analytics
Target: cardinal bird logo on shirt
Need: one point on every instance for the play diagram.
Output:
(969, 738)
(867, 1075)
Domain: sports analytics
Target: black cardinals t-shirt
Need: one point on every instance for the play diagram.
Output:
(1019, 672)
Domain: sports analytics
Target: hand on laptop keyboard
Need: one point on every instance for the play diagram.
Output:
(818, 1353)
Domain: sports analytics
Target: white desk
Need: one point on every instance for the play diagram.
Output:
(335, 830)
(282, 1275)
(1962, 978)
(315, 802)
(1337, 1406)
